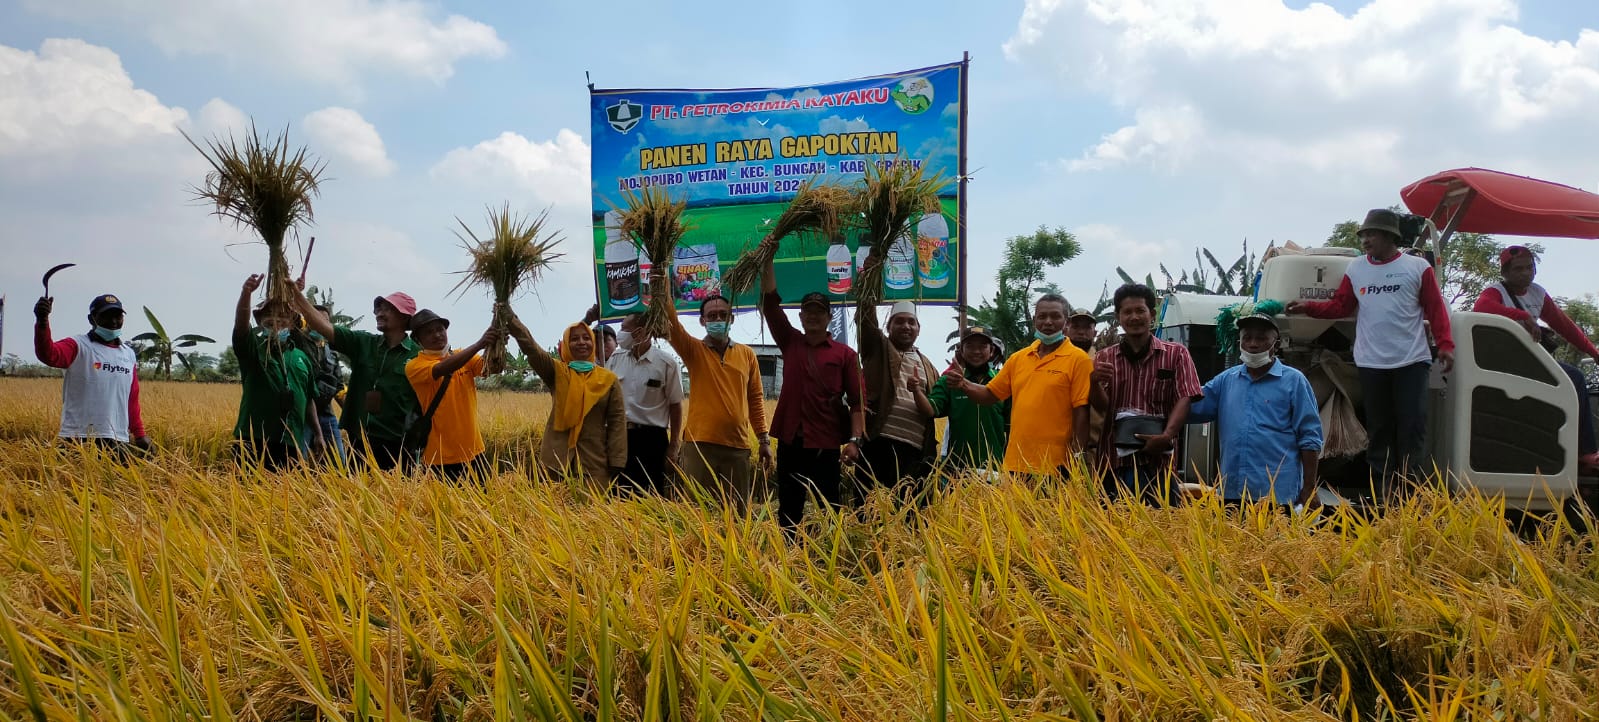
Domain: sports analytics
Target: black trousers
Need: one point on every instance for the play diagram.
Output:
(1396, 423)
(386, 453)
(801, 471)
(886, 462)
(454, 473)
(1151, 482)
(646, 460)
(270, 455)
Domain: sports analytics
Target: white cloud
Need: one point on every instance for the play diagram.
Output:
(555, 171)
(219, 117)
(330, 41)
(73, 97)
(342, 133)
(1253, 85)
(838, 124)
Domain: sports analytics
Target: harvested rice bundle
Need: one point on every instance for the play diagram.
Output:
(512, 256)
(260, 183)
(820, 208)
(888, 197)
(656, 222)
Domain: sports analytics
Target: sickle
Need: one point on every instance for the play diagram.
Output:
(52, 272)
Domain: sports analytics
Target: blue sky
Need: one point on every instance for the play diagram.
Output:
(1148, 127)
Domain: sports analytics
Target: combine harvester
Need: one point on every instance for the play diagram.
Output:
(1503, 421)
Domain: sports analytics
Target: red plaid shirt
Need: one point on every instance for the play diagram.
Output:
(1152, 386)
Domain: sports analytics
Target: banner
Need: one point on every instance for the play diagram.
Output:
(738, 156)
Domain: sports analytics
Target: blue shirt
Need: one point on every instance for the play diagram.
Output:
(1262, 426)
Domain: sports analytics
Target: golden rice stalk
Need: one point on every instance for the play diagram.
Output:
(511, 256)
(655, 221)
(887, 198)
(820, 208)
(258, 181)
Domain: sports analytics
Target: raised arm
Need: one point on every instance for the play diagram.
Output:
(313, 318)
(1343, 304)
(56, 354)
(456, 360)
(772, 306)
(241, 312)
(537, 358)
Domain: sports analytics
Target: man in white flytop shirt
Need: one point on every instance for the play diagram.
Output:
(1391, 293)
(100, 386)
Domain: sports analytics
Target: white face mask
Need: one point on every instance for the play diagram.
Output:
(1255, 360)
(624, 339)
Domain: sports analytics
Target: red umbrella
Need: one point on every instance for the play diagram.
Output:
(1477, 200)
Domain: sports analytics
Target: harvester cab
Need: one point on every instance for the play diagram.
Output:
(1503, 420)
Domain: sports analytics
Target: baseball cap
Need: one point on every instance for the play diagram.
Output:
(978, 331)
(816, 298)
(104, 302)
(401, 302)
(1258, 318)
(424, 317)
(1083, 313)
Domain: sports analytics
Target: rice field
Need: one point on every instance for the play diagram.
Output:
(184, 587)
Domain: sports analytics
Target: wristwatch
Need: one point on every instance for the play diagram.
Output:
(858, 441)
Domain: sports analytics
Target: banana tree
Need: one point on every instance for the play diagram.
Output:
(161, 348)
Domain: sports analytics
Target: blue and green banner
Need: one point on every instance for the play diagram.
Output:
(738, 156)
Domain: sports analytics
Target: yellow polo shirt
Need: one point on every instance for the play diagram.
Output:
(1043, 393)
(725, 395)
(456, 438)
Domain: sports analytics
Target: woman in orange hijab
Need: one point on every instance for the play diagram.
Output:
(587, 431)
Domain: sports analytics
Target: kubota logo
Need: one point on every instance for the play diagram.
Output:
(1375, 289)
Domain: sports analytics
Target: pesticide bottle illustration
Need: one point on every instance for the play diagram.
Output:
(932, 251)
(839, 269)
(900, 272)
(621, 264)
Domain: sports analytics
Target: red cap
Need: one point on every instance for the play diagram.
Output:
(400, 301)
(1512, 252)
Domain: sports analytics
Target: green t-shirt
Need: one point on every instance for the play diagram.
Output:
(276, 388)
(976, 433)
(376, 366)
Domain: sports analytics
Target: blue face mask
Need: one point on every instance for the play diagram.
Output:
(283, 335)
(581, 367)
(717, 329)
(1049, 339)
(107, 334)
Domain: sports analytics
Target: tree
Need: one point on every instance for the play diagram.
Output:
(324, 297)
(1021, 275)
(228, 364)
(1584, 312)
(1236, 279)
(1470, 262)
(163, 348)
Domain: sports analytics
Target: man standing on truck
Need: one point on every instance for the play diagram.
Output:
(1390, 294)
(1516, 297)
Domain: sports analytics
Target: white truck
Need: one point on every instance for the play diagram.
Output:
(1503, 421)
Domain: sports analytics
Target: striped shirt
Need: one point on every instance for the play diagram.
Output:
(905, 422)
(1151, 385)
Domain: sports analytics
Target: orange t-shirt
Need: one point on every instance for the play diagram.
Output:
(456, 438)
(725, 395)
(1043, 393)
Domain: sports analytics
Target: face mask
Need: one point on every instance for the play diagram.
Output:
(1049, 339)
(1255, 360)
(283, 335)
(581, 367)
(624, 339)
(717, 329)
(107, 334)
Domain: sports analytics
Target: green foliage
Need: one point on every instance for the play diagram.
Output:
(1021, 276)
(228, 364)
(324, 297)
(1209, 277)
(1584, 312)
(158, 349)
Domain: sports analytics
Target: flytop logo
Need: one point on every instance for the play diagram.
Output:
(112, 368)
(1374, 289)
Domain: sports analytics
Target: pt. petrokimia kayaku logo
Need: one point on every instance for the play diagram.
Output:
(623, 115)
